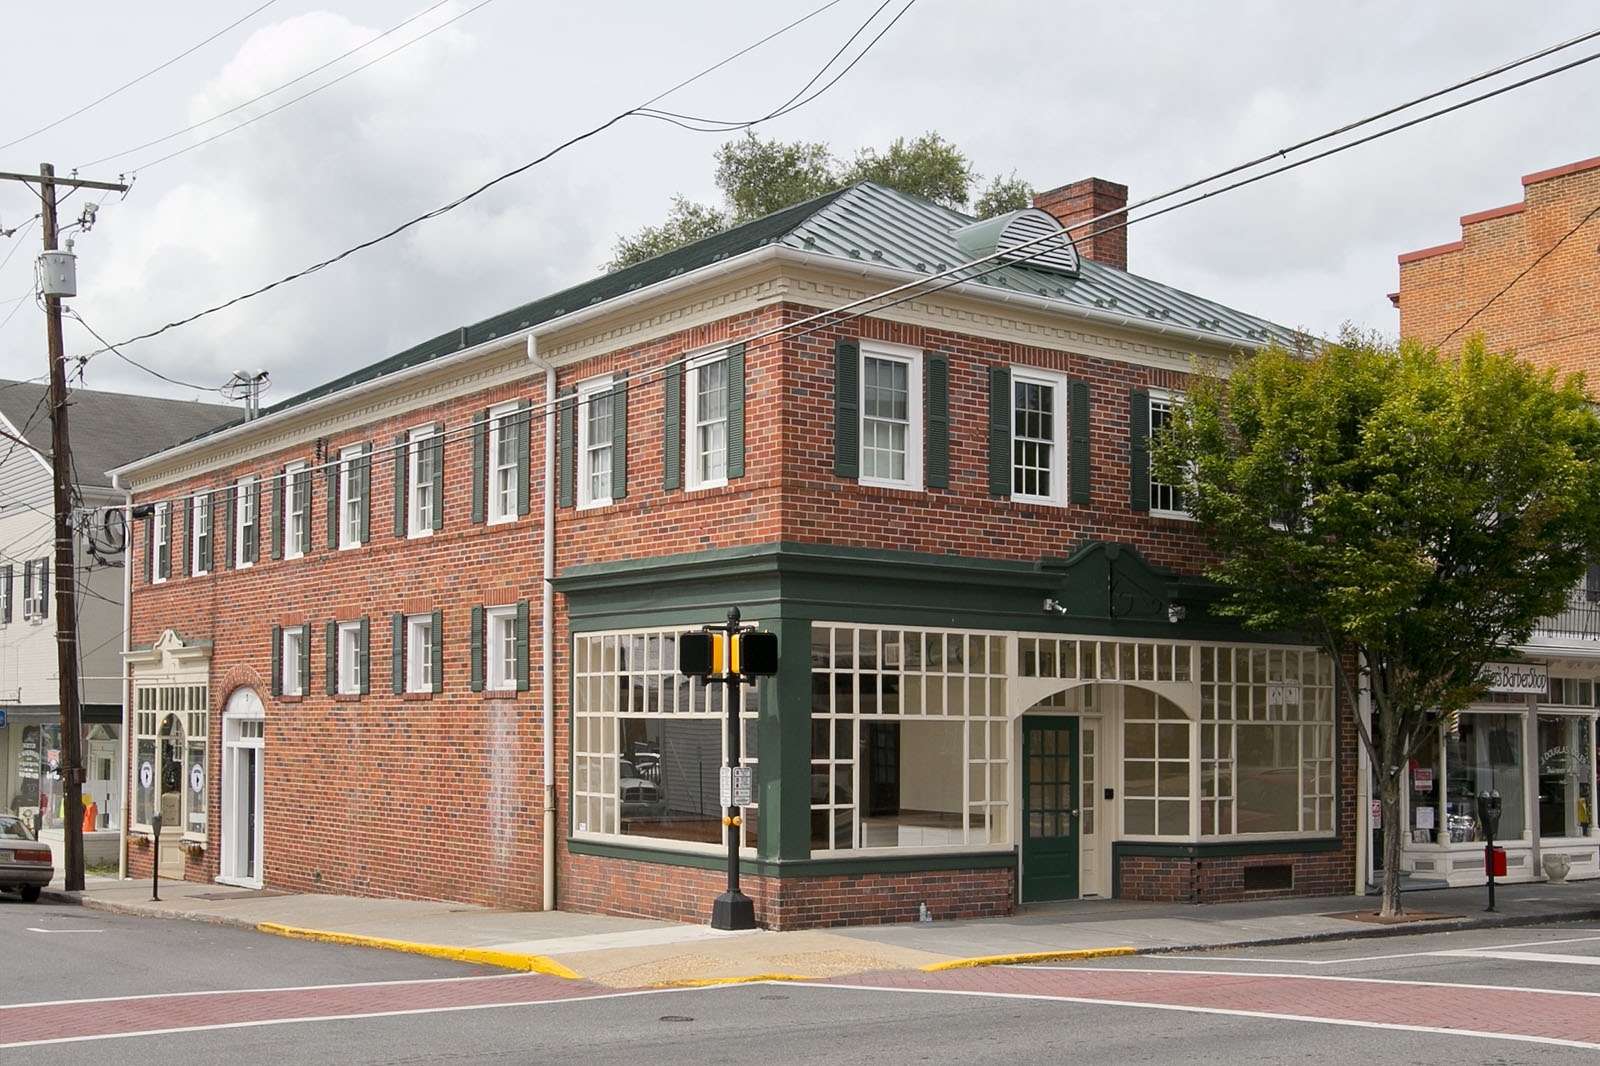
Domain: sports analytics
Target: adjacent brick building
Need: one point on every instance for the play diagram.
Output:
(1526, 276)
(422, 640)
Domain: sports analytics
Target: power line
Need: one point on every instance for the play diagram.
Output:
(289, 103)
(113, 349)
(142, 77)
(446, 208)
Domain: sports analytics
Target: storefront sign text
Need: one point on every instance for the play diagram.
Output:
(1521, 679)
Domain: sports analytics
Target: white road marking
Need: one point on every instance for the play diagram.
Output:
(1522, 956)
(1408, 954)
(36, 929)
(1319, 977)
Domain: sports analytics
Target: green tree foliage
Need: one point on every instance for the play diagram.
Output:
(1414, 515)
(929, 167)
(758, 177)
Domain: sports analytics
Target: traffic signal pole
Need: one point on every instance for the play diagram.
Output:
(733, 909)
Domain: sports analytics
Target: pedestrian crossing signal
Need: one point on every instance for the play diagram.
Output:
(755, 654)
(713, 654)
(701, 654)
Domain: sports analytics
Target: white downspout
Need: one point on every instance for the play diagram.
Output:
(547, 623)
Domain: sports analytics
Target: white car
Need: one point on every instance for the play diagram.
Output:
(25, 863)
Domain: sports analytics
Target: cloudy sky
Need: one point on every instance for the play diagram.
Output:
(1151, 94)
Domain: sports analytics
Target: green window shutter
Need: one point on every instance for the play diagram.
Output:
(330, 479)
(280, 486)
(672, 427)
(736, 411)
(435, 445)
(150, 550)
(365, 641)
(1000, 431)
(521, 637)
(5, 592)
(253, 546)
(847, 409)
(211, 528)
(936, 389)
(230, 504)
(478, 621)
(1078, 440)
(480, 466)
(437, 650)
(303, 479)
(275, 683)
(520, 422)
(364, 470)
(400, 472)
(305, 659)
(330, 648)
(397, 628)
(619, 437)
(1139, 450)
(566, 446)
(188, 536)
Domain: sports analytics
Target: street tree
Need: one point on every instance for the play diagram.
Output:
(1414, 515)
(757, 177)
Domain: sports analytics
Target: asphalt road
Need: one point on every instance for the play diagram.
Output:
(210, 994)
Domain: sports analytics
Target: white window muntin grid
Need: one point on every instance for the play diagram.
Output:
(290, 655)
(594, 443)
(706, 396)
(957, 676)
(246, 532)
(420, 459)
(891, 415)
(1038, 435)
(351, 501)
(501, 455)
(161, 544)
(642, 663)
(296, 510)
(349, 636)
(500, 643)
(199, 533)
(419, 653)
(1164, 498)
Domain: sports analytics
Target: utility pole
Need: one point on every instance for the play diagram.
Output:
(72, 769)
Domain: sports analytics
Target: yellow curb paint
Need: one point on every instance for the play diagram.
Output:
(1027, 957)
(505, 960)
(706, 982)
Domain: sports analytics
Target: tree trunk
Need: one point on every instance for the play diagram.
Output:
(1393, 835)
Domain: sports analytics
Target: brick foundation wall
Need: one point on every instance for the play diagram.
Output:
(1222, 879)
(629, 888)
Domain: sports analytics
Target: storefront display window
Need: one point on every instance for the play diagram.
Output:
(649, 744)
(170, 769)
(1482, 753)
(1566, 775)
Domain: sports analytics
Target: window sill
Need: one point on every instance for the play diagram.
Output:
(417, 697)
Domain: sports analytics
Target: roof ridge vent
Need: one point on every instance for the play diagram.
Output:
(1030, 237)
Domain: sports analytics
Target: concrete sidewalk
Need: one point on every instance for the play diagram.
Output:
(635, 953)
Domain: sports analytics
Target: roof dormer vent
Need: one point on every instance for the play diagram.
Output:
(1029, 237)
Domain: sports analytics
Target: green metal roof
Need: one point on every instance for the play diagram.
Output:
(863, 222)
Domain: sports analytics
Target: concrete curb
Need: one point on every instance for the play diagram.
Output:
(506, 960)
(1028, 957)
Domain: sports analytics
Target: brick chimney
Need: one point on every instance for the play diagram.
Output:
(1077, 203)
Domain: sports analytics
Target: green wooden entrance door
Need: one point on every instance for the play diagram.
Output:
(1050, 809)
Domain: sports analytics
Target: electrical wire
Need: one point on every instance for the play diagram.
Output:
(114, 350)
(142, 77)
(1524, 273)
(436, 212)
(289, 103)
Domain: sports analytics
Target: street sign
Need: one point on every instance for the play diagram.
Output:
(738, 786)
(2, 719)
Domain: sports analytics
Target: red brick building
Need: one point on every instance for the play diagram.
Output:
(1527, 277)
(423, 638)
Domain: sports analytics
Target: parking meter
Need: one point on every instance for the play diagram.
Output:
(1489, 819)
(1489, 813)
(155, 864)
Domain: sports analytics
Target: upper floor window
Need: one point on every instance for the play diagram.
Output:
(425, 472)
(1038, 436)
(596, 426)
(293, 661)
(704, 417)
(708, 423)
(296, 510)
(161, 543)
(500, 463)
(500, 648)
(200, 534)
(1150, 412)
(5, 594)
(246, 522)
(878, 415)
(36, 589)
(351, 502)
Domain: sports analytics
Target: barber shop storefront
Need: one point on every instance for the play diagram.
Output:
(1533, 742)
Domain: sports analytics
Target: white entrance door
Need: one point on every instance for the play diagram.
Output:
(243, 741)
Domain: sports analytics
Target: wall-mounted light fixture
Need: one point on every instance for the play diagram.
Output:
(1054, 605)
(1176, 612)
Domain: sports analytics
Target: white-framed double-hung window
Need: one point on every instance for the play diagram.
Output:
(354, 487)
(1038, 436)
(500, 648)
(891, 415)
(246, 526)
(348, 663)
(161, 543)
(706, 390)
(296, 510)
(595, 443)
(425, 473)
(200, 534)
(500, 463)
(291, 665)
(417, 649)
(1151, 411)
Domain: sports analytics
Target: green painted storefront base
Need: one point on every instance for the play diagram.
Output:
(784, 869)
